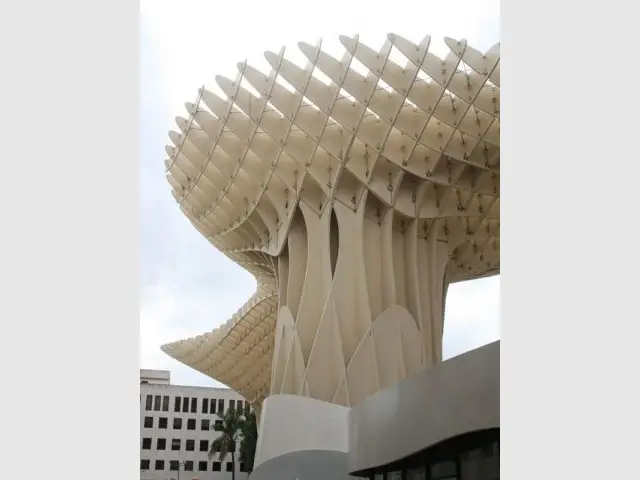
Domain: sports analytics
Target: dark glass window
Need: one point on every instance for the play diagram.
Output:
(185, 404)
(443, 470)
(145, 464)
(156, 403)
(188, 466)
(159, 464)
(417, 473)
(177, 423)
(161, 444)
(165, 403)
(204, 424)
(148, 422)
(146, 444)
(173, 465)
(194, 405)
(148, 404)
(176, 404)
(202, 466)
(175, 444)
(162, 422)
(191, 424)
(229, 466)
(190, 446)
(205, 405)
(204, 445)
(216, 467)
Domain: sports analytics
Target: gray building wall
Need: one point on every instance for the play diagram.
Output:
(458, 396)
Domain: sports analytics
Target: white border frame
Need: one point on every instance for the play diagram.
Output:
(69, 239)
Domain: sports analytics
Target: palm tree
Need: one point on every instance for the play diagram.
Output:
(249, 438)
(230, 428)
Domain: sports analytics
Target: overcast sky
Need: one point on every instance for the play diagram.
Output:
(186, 286)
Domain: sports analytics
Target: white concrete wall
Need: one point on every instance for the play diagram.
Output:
(183, 434)
(292, 423)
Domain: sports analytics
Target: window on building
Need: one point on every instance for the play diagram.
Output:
(220, 405)
(194, 405)
(161, 444)
(190, 445)
(156, 403)
(416, 473)
(148, 405)
(185, 404)
(204, 445)
(243, 468)
(162, 422)
(216, 467)
(232, 448)
(229, 467)
(148, 422)
(204, 424)
(165, 403)
(176, 404)
(202, 466)
(443, 470)
(191, 424)
(159, 465)
(205, 405)
(146, 444)
(212, 406)
(486, 450)
(396, 475)
(173, 465)
(239, 405)
(483, 462)
(145, 464)
(232, 404)
(177, 423)
(216, 448)
(188, 466)
(175, 444)
(218, 425)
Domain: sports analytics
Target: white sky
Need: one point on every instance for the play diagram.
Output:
(186, 286)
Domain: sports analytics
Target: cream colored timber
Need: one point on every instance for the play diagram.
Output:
(355, 198)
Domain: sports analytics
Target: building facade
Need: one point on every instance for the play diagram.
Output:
(176, 429)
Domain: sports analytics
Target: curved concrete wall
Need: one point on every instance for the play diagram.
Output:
(455, 397)
(291, 423)
(305, 465)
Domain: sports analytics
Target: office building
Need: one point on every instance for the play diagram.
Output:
(176, 429)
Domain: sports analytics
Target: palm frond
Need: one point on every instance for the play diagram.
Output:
(215, 447)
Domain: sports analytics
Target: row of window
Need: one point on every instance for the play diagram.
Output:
(440, 471)
(176, 443)
(163, 422)
(159, 403)
(466, 462)
(187, 466)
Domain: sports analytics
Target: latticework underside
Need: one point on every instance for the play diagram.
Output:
(353, 200)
